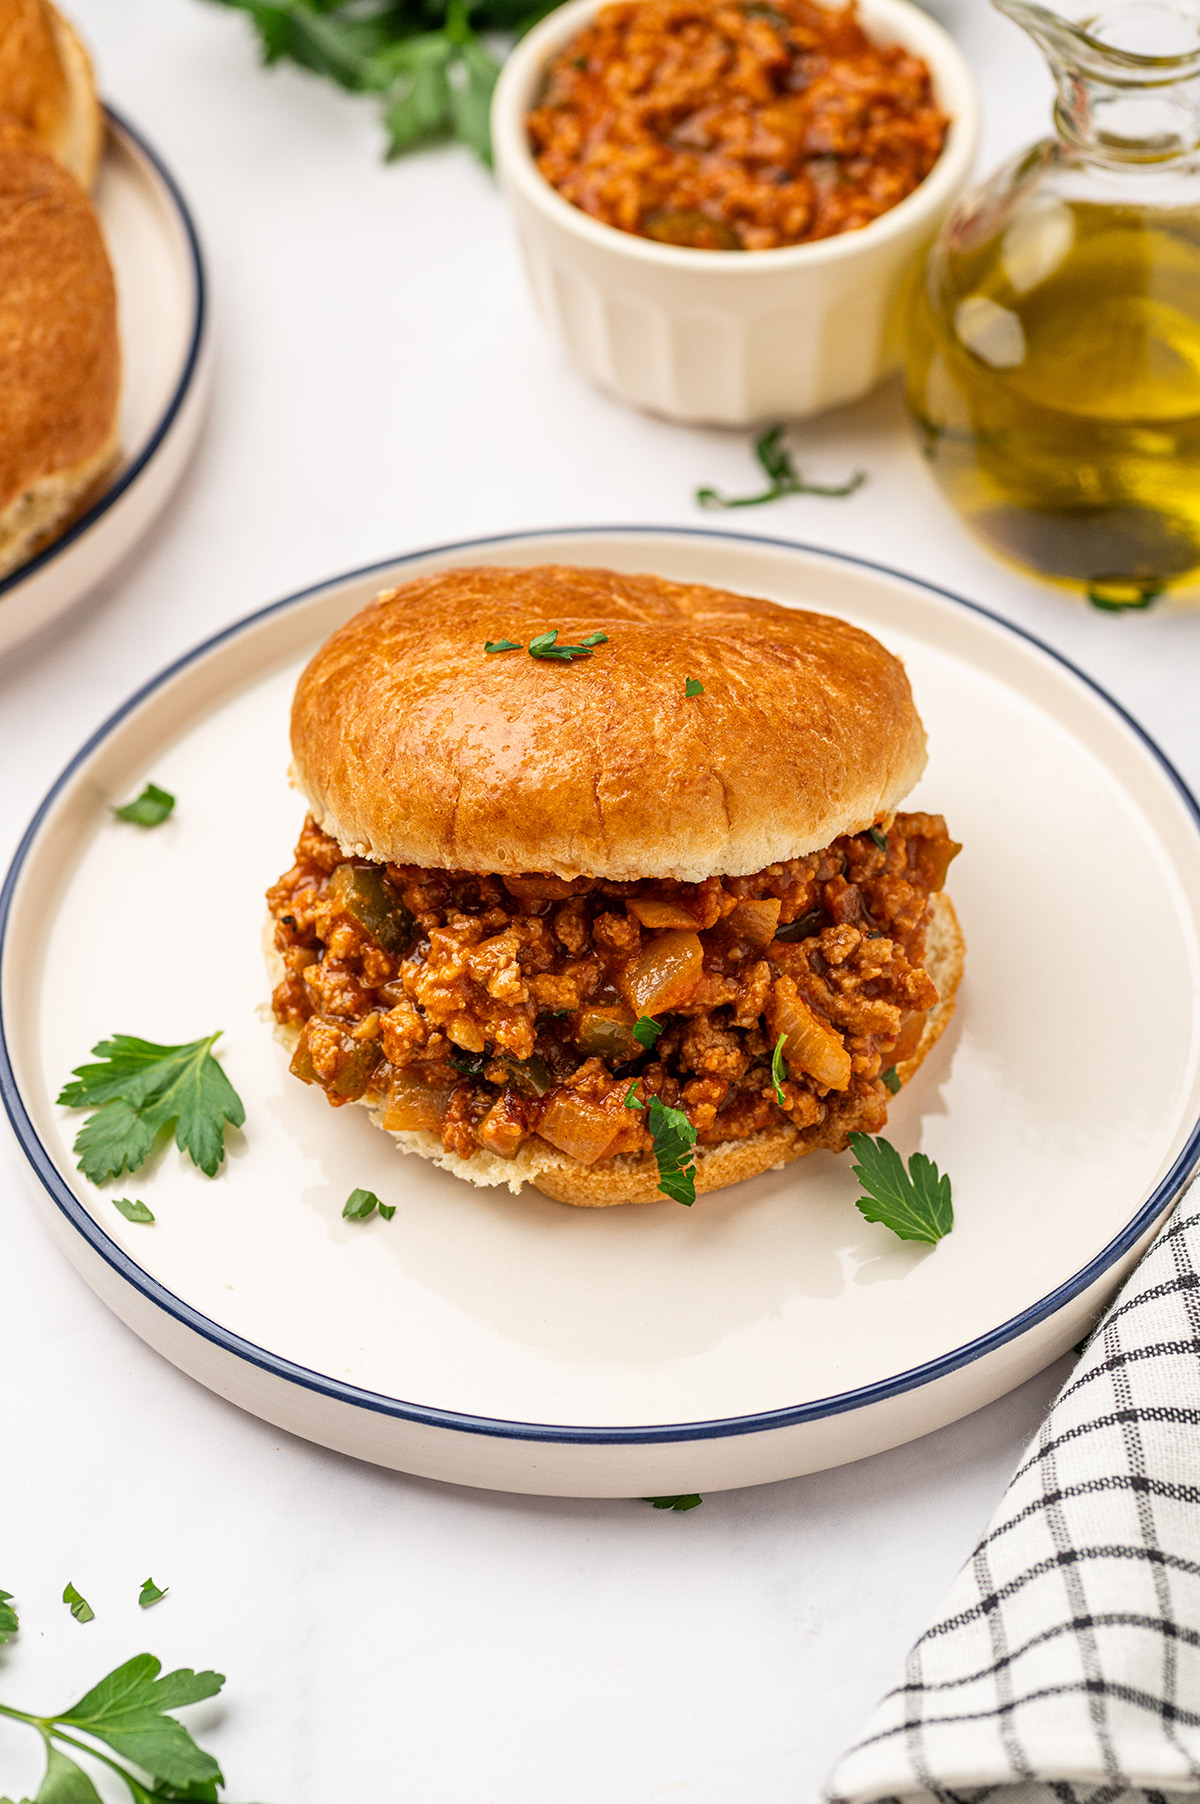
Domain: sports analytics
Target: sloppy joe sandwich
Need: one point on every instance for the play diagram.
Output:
(46, 85)
(588, 851)
(60, 362)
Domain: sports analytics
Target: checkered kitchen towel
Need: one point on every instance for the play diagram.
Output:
(1065, 1665)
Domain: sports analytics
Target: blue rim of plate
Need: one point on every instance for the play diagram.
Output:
(130, 473)
(1166, 1192)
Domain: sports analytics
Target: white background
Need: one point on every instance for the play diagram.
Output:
(382, 384)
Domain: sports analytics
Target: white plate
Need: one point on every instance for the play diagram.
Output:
(166, 365)
(523, 1345)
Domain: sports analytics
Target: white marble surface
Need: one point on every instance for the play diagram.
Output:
(383, 384)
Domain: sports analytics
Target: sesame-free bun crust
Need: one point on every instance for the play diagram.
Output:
(634, 1179)
(415, 746)
(60, 364)
(46, 85)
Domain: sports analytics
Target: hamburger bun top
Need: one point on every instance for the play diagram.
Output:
(46, 84)
(59, 352)
(415, 746)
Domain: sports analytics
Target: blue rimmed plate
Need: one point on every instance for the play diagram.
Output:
(166, 368)
(518, 1344)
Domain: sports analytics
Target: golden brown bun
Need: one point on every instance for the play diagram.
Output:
(46, 85)
(60, 363)
(634, 1179)
(415, 746)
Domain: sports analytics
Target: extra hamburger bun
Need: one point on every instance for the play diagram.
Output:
(59, 353)
(46, 85)
(415, 746)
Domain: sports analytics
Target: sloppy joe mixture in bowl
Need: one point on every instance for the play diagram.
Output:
(719, 201)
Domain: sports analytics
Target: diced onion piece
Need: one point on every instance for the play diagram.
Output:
(811, 1046)
(911, 1029)
(413, 1105)
(653, 913)
(933, 858)
(607, 1033)
(577, 1127)
(756, 921)
(503, 1127)
(665, 974)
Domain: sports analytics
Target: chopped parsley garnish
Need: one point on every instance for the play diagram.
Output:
(879, 836)
(150, 809)
(546, 646)
(360, 1204)
(915, 1204)
(778, 1072)
(151, 1593)
(674, 1140)
(471, 1064)
(9, 1623)
(686, 1501)
(693, 686)
(646, 1031)
(782, 475)
(132, 1209)
(127, 1712)
(891, 1078)
(81, 1609)
(139, 1090)
(503, 645)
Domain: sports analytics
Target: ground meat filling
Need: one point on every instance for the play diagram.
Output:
(734, 124)
(488, 1009)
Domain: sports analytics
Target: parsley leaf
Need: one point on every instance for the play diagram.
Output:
(9, 1623)
(777, 1070)
(138, 1090)
(879, 836)
(359, 1205)
(81, 1609)
(151, 1593)
(686, 1501)
(387, 1210)
(545, 645)
(127, 1710)
(782, 475)
(646, 1031)
(674, 1140)
(693, 686)
(132, 1209)
(431, 83)
(150, 809)
(891, 1078)
(915, 1204)
(503, 645)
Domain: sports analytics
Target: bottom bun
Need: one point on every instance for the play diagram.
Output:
(633, 1178)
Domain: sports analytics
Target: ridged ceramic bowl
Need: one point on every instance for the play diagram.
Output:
(728, 337)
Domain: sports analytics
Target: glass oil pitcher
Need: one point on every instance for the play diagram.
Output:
(1054, 348)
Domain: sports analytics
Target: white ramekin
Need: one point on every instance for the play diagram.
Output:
(728, 337)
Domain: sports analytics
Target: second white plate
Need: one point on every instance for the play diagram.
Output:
(166, 367)
(520, 1344)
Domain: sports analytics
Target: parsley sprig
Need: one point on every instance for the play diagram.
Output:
(138, 1090)
(361, 1205)
(915, 1204)
(9, 1622)
(431, 83)
(128, 1713)
(79, 1606)
(674, 1140)
(688, 1500)
(782, 476)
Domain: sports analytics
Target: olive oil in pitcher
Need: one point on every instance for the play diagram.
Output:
(1054, 352)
